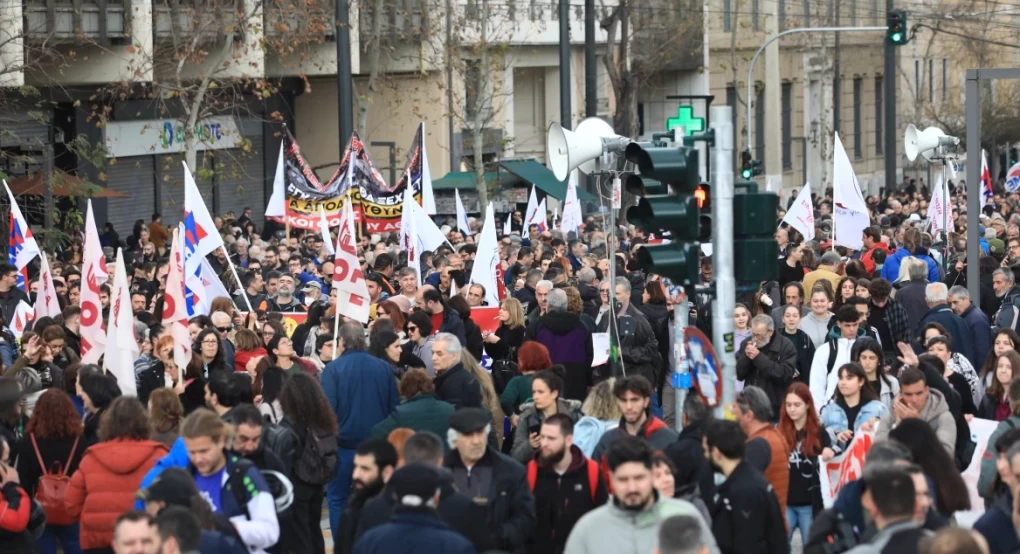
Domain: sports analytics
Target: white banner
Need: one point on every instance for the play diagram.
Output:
(166, 136)
(801, 215)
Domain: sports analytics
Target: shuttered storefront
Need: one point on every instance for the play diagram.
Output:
(24, 131)
(135, 177)
(240, 178)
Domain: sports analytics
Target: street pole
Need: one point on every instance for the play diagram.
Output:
(454, 166)
(591, 97)
(722, 253)
(565, 118)
(344, 87)
(889, 105)
(973, 115)
(681, 319)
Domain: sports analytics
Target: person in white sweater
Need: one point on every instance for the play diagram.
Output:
(824, 378)
(816, 322)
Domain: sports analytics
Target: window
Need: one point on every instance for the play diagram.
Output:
(726, 23)
(731, 101)
(879, 96)
(782, 15)
(858, 85)
(759, 124)
(787, 124)
(931, 80)
(807, 13)
(754, 15)
(945, 79)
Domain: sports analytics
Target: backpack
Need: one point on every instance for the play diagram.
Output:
(239, 484)
(504, 370)
(593, 476)
(318, 459)
(52, 487)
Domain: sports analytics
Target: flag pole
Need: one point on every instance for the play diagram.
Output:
(244, 293)
(336, 300)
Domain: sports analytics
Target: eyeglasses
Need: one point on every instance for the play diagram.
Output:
(268, 335)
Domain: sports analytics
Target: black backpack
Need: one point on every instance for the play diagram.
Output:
(318, 459)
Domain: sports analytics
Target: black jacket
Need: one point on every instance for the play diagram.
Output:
(20, 541)
(526, 296)
(54, 451)
(509, 507)
(455, 509)
(745, 515)
(561, 500)
(148, 380)
(458, 387)
(508, 338)
(805, 355)
(658, 317)
(638, 345)
(688, 455)
(9, 303)
(772, 370)
(453, 324)
(72, 341)
(350, 520)
(590, 299)
(473, 335)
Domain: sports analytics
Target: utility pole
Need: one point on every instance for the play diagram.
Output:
(565, 117)
(889, 105)
(773, 138)
(344, 86)
(836, 104)
(591, 97)
(722, 245)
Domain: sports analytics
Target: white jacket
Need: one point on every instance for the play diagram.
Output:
(823, 383)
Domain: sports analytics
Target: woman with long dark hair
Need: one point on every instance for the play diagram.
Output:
(1002, 340)
(926, 450)
(995, 404)
(304, 335)
(273, 380)
(306, 413)
(472, 333)
(53, 444)
(807, 439)
(97, 391)
(868, 352)
(546, 388)
(385, 345)
(936, 340)
(853, 405)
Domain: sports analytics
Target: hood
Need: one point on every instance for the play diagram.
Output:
(123, 457)
(578, 461)
(563, 406)
(652, 425)
(587, 292)
(935, 406)
(559, 322)
(834, 332)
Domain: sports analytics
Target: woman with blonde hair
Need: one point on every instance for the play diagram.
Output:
(490, 400)
(504, 343)
(601, 414)
(575, 305)
(165, 415)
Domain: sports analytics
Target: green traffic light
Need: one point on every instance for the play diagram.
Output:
(896, 37)
(746, 173)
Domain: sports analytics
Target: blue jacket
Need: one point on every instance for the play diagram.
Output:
(429, 535)
(256, 522)
(962, 337)
(891, 269)
(178, 457)
(835, 421)
(362, 392)
(981, 329)
(996, 526)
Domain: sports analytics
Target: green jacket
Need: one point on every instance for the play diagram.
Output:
(423, 412)
(517, 392)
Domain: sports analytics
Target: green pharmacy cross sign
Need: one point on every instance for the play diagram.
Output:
(685, 118)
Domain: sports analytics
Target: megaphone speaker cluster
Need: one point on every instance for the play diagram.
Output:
(923, 142)
(567, 150)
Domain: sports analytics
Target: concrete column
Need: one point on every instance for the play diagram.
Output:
(773, 103)
(12, 55)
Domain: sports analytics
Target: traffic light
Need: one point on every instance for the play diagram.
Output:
(755, 251)
(679, 214)
(749, 167)
(704, 196)
(896, 27)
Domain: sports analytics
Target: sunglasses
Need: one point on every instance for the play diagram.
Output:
(224, 329)
(412, 328)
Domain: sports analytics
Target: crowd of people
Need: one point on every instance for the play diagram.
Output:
(420, 432)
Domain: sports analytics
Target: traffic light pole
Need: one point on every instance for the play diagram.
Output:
(722, 253)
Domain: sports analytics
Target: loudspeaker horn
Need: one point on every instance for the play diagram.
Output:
(921, 142)
(565, 150)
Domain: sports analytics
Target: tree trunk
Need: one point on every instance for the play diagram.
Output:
(374, 52)
(482, 96)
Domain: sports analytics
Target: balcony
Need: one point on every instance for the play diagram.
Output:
(174, 20)
(307, 18)
(402, 20)
(102, 21)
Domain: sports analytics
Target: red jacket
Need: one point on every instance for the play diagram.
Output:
(869, 262)
(105, 485)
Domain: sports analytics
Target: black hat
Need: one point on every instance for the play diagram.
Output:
(414, 485)
(469, 420)
(173, 486)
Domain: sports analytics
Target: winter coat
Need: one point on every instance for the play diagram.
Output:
(912, 297)
(508, 338)
(453, 324)
(868, 258)
(936, 413)
(823, 272)
(423, 351)
(746, 517)
(638, 345)
(509, 506)
(9, 303)
(21, 521)
(610, 528)
(980, 331)
(588, 432)
(424, 524)
(422, 412)
(1008, 316)
(772, 369)
(659, 318)
(805, 353)
(988, 471)
(516, 393)
(834, 420)
(891, 267)
(531, 418)
(688, 455)
(473, 335)
(561, 500)
(105, 485)
(996, 525)
(961, 338)
(458, 387)
(590, 299)
(362, 392)
(54, 451)
(569, 343)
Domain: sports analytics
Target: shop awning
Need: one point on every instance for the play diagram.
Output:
(537, 174)
(64, 184)
(461, 180)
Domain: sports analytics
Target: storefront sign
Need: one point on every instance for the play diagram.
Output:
(166, 136)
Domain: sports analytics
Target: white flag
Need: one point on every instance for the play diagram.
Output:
(801, 215)
(531, 214)
(46, 302)
(540, 215)
(572, 217)
(22, 315)
(508, 224)
(352, 299)
(486, 265)
(214, 287)
(121, 347)
(462, 218)
(175, 314)
(324, 229)
(850, 213)
(428, 198)
(93, 337)
(938, 210)
(277, 206)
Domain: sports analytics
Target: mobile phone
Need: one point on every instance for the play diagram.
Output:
(535, 428)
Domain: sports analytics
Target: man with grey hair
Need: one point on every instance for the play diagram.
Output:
(588, 287)
(912, 294)
(1004, 284)
(960, 335)
(540, 306)
(638, 345)
(766, 448)
(976, 320)
(362, 392)
(454, 383)
(826, 271)
(681, 535)
(767, 359)
(569, 343)
(224, 326)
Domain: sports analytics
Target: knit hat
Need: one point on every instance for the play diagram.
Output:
(414, 485)
(996, 247)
